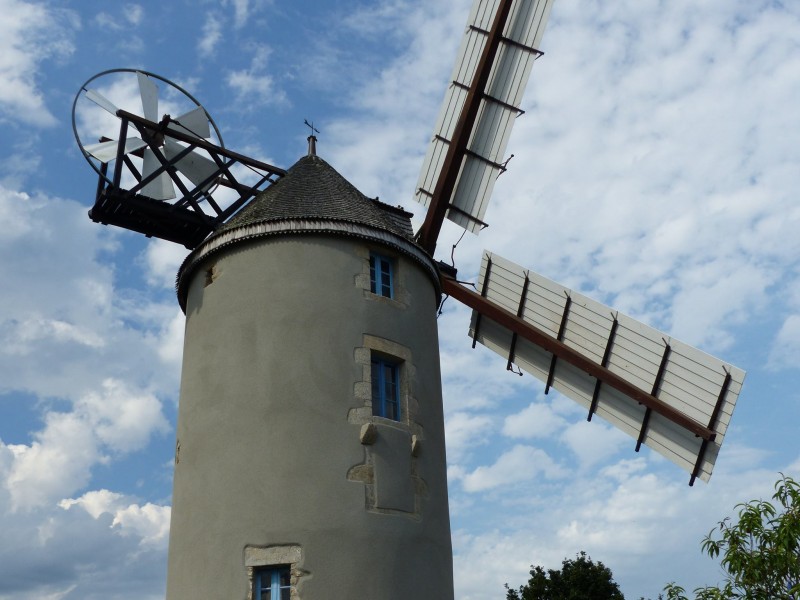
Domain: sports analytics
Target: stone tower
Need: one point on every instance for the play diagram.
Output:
(310, 455)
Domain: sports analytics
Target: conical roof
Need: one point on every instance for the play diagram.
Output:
(312, 198)
(312, 189)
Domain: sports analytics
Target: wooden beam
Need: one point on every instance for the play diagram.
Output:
(443, 190)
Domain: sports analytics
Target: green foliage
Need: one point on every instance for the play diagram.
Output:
(760, 552)
(579, 579)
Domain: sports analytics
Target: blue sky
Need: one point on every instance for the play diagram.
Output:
(656, 169)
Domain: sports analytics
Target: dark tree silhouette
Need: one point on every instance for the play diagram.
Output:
(578, 579)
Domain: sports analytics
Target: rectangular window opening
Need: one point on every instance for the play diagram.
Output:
(380, 275)
(273, 583)
(385, 377)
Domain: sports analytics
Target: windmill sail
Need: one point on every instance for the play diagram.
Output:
(479, 144)
(669, 396)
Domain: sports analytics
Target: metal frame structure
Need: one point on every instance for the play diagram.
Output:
(183, 220)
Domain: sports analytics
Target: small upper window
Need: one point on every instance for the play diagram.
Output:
(273, 583)
(380, 275)
(385, 388)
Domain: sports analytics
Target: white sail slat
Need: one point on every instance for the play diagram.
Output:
(499, 108)
(691, 381)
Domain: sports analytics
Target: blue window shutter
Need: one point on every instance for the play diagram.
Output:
(273, 584)
(385, 389)
(381, 276)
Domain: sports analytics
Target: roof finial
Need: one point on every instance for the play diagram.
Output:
(312, 139)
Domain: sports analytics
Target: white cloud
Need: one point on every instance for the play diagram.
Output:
(254, 86)
(60, 458)
(30, 34)
(521, 463)
(89, 548)
(241, 11)
(785, 352)
(593, 443)
(122, 419)
(162, 261)
(134, 13)
(37, 330)
(170, 342)
(211, 36)
(59, 305)
(148, 522)
(130, 15)
(538, 420)
(465, 433)
(55, 464)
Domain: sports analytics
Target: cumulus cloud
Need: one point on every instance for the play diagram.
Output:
(59, 461)
(122, 419)
(254, 86)
(162, 261)
(55, 464)
(87, 547)
(537, 420)
(521, 463)
(466, 432)
(593, 443)
(148, 522)
(30, 34)
(59, 305)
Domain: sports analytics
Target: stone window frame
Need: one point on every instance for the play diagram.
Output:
(407, 401)
(401, 297)
(257, 558)
(370, 424)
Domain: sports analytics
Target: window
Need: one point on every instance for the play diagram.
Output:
(380, 275)
(273, 584)
(385, 388)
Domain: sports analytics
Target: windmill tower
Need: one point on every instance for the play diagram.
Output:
(310, 459)
(310, 433)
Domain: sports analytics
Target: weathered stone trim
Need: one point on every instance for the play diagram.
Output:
(291, 555)
(362, 415)
(402, 297)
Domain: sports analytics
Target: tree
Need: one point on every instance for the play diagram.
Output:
(579, 579)
(760, 551)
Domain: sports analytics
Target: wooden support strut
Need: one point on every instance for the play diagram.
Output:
(656, 386)
(712, 422)
(604, 363)
(562, 328)
(520, 311)
(527, 331)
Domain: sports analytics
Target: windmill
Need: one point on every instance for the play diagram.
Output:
(310, 454)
